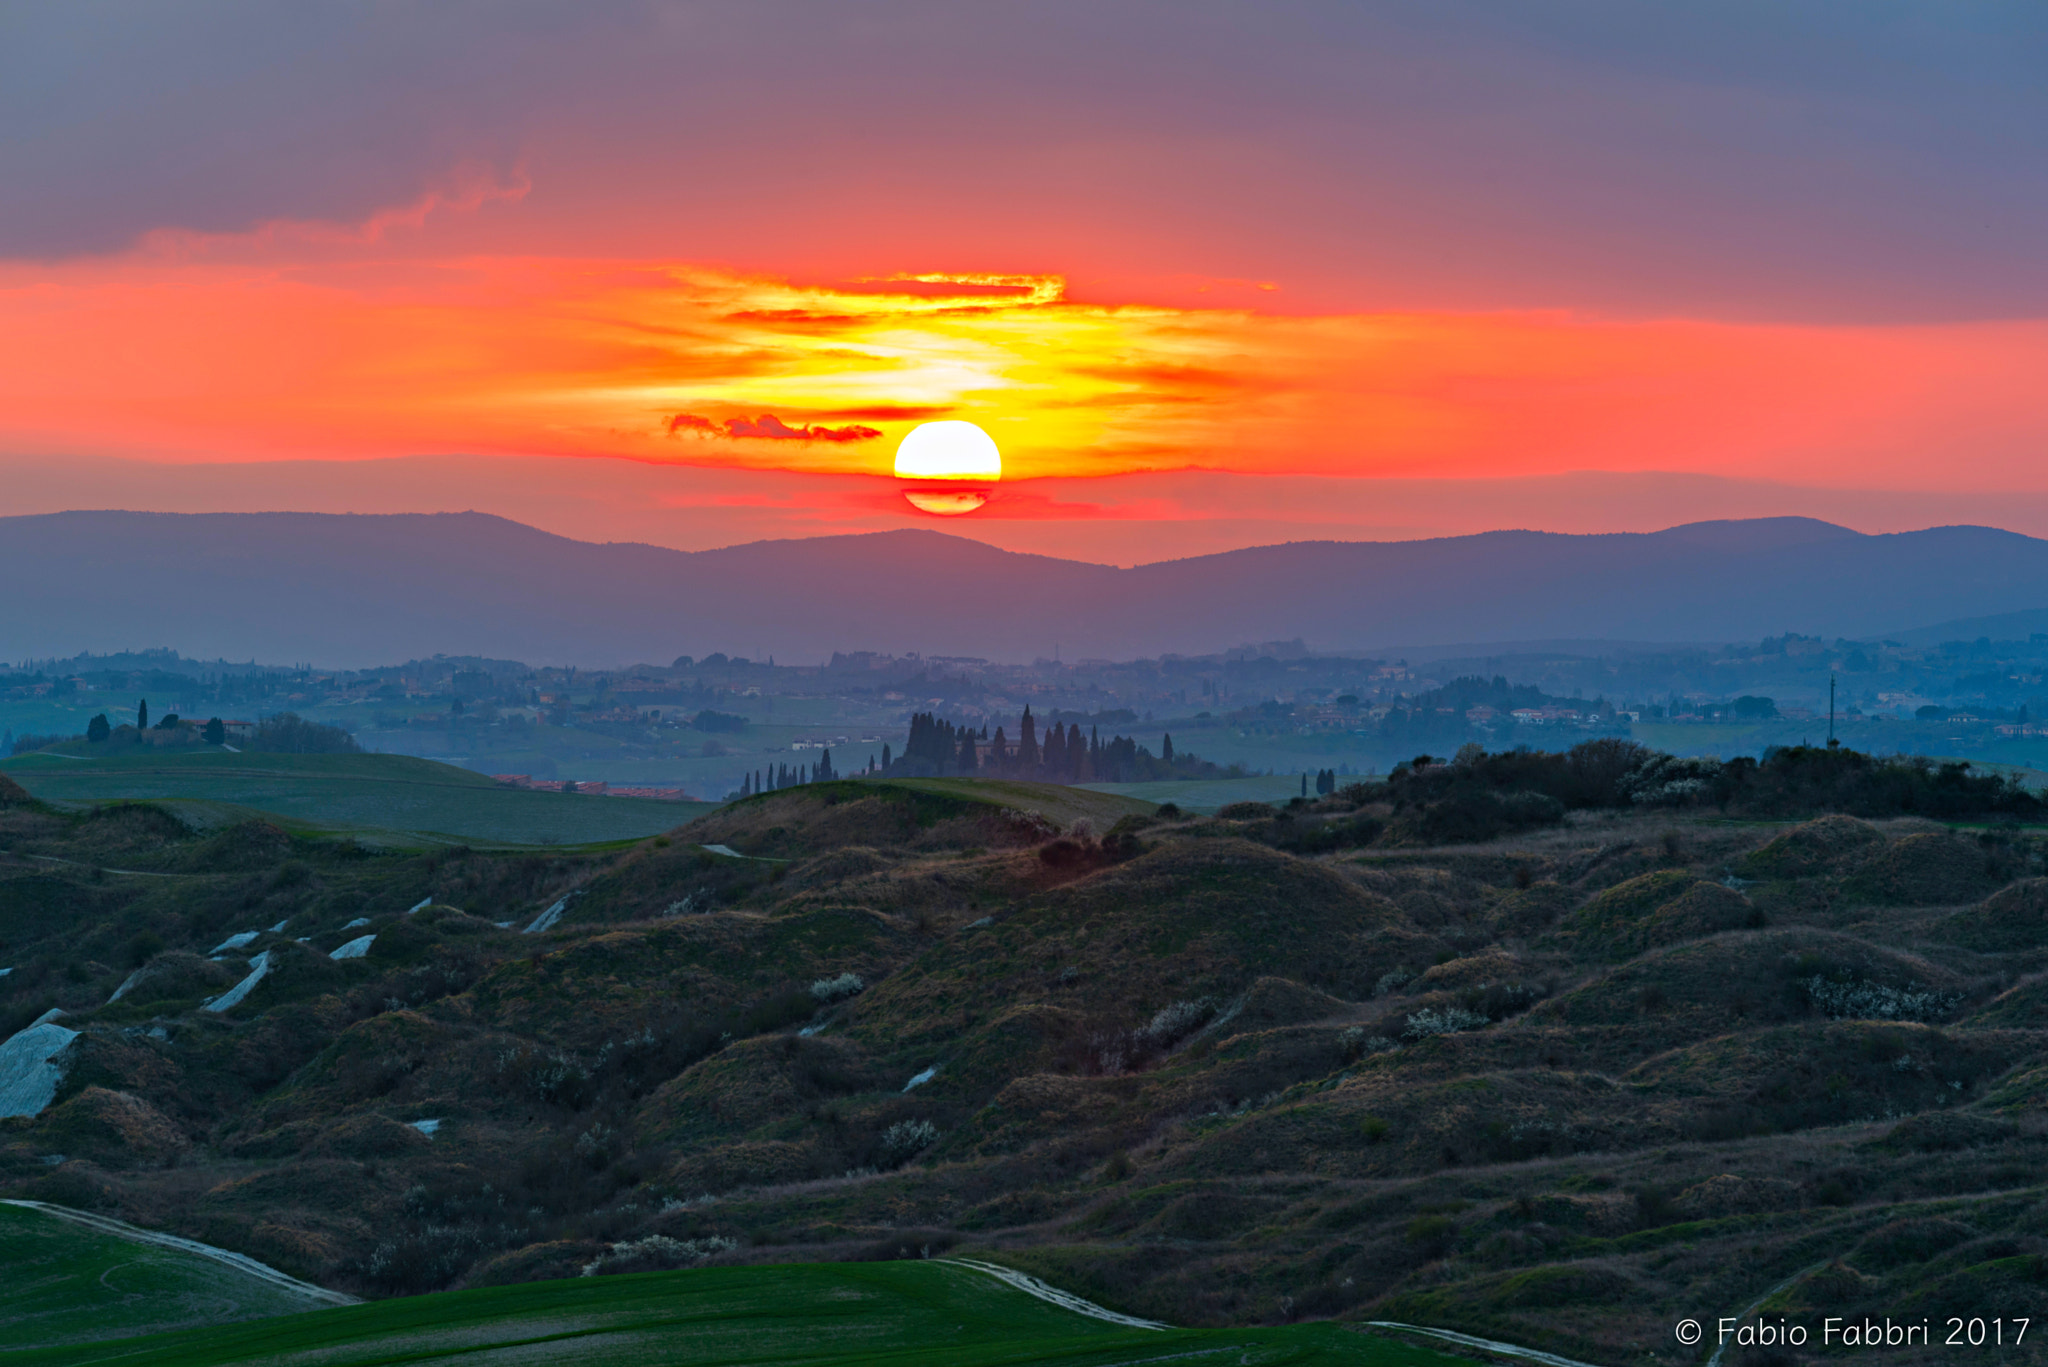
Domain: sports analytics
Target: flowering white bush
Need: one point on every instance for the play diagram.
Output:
(1448, 1021)
(835, 989)
(1355, 1043)
(1178, 1021)
(658, 1252)
(1668, 781)
(907, 1138)
(1852, 1000)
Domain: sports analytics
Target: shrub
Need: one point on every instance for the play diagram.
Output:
(1171, 1024)
(1245, 811)
(424, 1261)
(906, 1139)
(658, 1253)
(1354, 1043)
(827, 990)
(1445, 1021)
(1848, 999)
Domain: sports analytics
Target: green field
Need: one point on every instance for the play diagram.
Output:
(1206, 795)
(820, 1315)
(381, 799)
(67, 1284)
(1058, 803)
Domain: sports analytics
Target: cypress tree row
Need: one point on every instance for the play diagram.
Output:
(1059, 754)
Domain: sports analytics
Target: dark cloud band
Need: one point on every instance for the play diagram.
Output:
(766, 427)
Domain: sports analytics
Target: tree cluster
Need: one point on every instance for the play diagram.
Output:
(287, 733)
(788, 776)
(1062, 754)
(1480, 796)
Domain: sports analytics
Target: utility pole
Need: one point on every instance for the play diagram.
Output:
(1832, 742)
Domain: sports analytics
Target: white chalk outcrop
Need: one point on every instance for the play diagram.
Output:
(354, 949)
(259, 968)
(29, 1070)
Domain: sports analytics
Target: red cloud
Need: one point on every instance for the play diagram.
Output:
(767, 427)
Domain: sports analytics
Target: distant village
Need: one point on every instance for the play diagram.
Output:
(717, 724)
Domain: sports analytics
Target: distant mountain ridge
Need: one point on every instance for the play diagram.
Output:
(354, 588)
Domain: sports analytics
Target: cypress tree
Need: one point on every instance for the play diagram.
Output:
(142, 715)
(885, 758)
(967, 760)
(1166, 749)
(1027, 744)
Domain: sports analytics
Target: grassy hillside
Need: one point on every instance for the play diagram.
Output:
(905, 1312)
(1058, 803)
(379, 798)
(1206, 795)
(1313, 1063)
(68, 1284)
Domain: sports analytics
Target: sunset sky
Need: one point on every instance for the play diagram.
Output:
(1210, 274)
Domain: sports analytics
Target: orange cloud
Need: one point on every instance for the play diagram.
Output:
(335, 346)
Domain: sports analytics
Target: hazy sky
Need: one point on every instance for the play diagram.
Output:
(1793, 243)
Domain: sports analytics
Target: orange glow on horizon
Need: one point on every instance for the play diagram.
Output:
(195, 354)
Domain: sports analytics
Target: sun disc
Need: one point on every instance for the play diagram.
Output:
(949, 450)
(946, 502)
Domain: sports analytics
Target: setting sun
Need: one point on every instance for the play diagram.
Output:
(959, 453)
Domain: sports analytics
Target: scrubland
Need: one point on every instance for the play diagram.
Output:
(1563, 1088)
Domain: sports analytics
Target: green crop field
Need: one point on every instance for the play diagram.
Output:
(388, 799)
(816, 1314)
(66, 1284)
(1058, 803)
(1206, 795)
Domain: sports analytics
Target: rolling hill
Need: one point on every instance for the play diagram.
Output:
(938, 1312)
(380, 799)
(1387, 1056)
(76, 1277)
(344, 589)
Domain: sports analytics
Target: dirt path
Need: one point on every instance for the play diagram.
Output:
(1486, 1345)
(1052, 1295)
